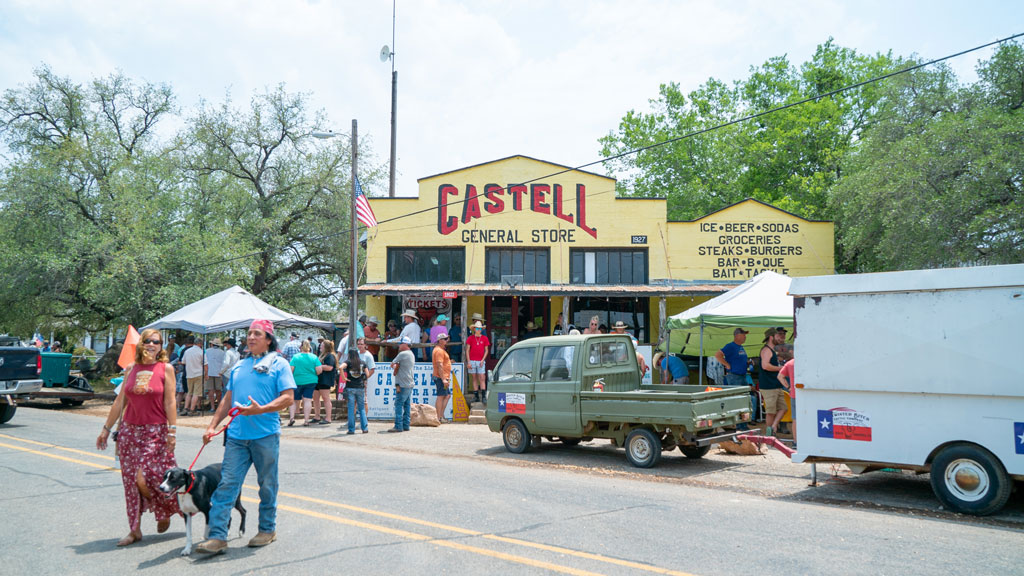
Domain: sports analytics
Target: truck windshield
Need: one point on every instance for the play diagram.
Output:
(516, 367)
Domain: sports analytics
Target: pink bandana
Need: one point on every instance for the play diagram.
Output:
(265, 326)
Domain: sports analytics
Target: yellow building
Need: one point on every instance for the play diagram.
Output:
(520, 240)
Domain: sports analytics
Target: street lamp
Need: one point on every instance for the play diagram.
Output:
(353, 306)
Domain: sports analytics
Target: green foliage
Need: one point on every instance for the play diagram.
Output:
(103, 223)
(916, 170)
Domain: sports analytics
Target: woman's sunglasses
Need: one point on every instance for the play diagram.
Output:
(151, 341)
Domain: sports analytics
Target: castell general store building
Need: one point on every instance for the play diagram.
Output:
(480, 242)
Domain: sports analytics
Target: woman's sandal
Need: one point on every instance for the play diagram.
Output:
(129, 540)
(291, 422)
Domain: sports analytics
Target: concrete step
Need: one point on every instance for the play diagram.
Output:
(477, 419)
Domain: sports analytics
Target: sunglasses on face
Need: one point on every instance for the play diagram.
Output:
(151, 341)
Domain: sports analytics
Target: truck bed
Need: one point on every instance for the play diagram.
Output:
(667, 405)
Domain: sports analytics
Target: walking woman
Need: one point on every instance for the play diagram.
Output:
(306, 370)
(328, 377)
(146, 437)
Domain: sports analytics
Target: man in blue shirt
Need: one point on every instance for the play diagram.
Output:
(261, 385)
(734, 358)
(674, 370)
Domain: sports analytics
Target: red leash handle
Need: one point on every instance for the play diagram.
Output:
(235, 411)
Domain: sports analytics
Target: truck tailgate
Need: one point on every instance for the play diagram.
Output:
(673, 405)
(17, 363)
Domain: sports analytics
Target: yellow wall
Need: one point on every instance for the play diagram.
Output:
(733, 244)
(740, 241)
(613, 220)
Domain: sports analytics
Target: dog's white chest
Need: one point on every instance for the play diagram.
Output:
(186, 504)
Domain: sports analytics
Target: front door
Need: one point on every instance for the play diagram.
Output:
(557, 408)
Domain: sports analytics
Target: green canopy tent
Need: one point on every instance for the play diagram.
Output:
(759, 303)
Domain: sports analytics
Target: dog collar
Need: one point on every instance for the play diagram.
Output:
(192, 482)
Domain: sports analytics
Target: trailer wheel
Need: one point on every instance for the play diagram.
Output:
(969, 479)
(516, 437)
(7, 412)
(643, 448)
(71, 402)
(570, 441)
(695, 452)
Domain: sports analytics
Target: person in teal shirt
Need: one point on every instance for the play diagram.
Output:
(306, 370)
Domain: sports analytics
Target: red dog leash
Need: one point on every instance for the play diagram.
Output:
(235, 411)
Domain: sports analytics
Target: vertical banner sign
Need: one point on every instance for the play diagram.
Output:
(380, 390)
(460, 410)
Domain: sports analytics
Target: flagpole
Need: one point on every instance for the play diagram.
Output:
(353, 308)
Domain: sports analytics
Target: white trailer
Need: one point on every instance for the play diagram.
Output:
(920, 370)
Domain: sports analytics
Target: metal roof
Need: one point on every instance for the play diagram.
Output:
(644, 290)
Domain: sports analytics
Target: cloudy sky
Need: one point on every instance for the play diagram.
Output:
(478, 79)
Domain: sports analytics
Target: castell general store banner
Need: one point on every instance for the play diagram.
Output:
(380, 391)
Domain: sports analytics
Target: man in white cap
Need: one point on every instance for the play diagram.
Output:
(411, 329)
(403, 366)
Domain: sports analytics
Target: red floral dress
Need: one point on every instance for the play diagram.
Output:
(142, 445)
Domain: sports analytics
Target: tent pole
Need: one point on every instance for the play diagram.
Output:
(700, 362)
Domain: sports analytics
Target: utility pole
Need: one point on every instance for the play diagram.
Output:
(353, 306)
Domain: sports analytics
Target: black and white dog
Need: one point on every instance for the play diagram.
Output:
(194, 490)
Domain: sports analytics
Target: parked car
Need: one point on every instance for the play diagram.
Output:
(577, 388)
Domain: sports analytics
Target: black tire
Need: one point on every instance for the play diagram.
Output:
(71, 402)
(643, 448)
(6, 413)
(695, 452)
(570, 441)
(969, 479)
(516, 437)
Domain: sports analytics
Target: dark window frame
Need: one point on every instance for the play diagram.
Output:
(513, 261)
(604, 258)
(417, 272)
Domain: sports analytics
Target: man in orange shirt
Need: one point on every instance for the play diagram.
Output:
(371, 332)
(442, 376)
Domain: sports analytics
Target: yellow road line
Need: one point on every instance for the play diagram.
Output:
(398, 517)
(85, 452)
(445, 543)
(505, 539)
(59, 457)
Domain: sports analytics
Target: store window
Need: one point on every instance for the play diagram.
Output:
(532, 265)
(418, 265)
(633, 312)
(608, 266)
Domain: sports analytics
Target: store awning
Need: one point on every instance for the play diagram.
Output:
(645, 290)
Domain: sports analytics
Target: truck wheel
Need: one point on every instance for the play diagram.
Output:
(6, 413)
(570, 441)
(643, 448)
(516, 437)
(695, 452)
(969, 479)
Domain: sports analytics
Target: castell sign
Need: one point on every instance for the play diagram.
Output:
(537, 198)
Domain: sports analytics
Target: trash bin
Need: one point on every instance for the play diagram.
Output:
(56, 369)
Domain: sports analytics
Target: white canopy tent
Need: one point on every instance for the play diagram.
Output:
(231, 309)
(761, 302)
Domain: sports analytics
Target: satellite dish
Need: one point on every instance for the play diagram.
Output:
(385, 53)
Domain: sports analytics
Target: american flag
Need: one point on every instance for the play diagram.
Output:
(363, 211)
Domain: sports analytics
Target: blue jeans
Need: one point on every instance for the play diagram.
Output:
(403, 404)
(356, 399)
(238, 456)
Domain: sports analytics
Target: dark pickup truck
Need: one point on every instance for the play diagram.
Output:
(20, 368)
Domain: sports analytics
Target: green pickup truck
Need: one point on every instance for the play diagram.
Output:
(577, 388)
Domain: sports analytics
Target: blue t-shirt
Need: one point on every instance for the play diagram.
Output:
(675, 366)
(736, 356)
(264, 388)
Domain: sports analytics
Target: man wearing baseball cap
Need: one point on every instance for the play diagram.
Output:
(261, 386)
(402, 367)
(442, 375)
(734, 358)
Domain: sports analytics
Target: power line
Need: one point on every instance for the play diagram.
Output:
(663, 142)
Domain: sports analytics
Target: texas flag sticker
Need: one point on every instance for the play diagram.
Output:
(844, 424)
(512, 403)
(1018, 437)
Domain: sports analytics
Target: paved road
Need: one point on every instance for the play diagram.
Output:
(351, 504)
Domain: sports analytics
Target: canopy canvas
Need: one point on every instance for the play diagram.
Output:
(230, 309)
(757, 304)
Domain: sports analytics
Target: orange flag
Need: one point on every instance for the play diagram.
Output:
(131, 341)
